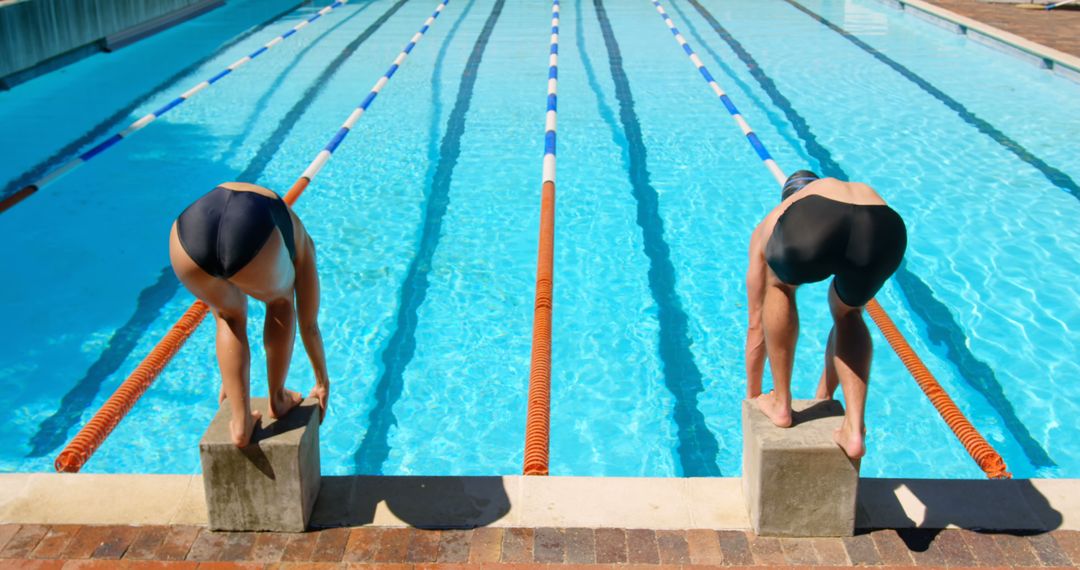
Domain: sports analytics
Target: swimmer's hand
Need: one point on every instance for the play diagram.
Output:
(321, 392)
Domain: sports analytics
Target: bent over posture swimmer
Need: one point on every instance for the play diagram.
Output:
(242, 240)
(822, 227)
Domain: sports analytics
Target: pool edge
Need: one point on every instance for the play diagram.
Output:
(1056, 61)
(535, 502)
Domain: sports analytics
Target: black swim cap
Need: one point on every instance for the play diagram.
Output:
(796, 182)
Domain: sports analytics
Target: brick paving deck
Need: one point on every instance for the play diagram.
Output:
(189, 547)
(1059, 29)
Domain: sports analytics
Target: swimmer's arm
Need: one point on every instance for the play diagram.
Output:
(755, 333)
(307, 312)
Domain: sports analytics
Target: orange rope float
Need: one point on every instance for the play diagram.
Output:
(538, 418)
(988, 459)
(538, 421)
(91, 436)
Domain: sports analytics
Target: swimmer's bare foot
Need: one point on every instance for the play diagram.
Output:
(851, 441)
(282, 402)
(778, 412)
(241, 432)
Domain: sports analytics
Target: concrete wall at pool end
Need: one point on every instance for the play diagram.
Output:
(37, 36)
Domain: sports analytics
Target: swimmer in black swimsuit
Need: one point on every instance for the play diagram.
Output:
(242, 240)
(822, 228)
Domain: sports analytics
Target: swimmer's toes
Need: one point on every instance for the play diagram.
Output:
(280, 407)
(243, 438)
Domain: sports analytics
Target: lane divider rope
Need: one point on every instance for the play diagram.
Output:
(140, 124)
(538, 420)
(79, 450)
(976, 445)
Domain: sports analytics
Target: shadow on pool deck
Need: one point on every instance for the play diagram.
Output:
(1015, 504)
(421, 502)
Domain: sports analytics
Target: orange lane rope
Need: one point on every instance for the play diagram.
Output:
(981, 451)
(91, 436)
(538, 416)
(538, 420)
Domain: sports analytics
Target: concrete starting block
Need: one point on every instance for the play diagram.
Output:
(272, 483)
(797, 481)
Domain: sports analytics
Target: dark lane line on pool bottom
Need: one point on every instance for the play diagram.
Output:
(434, 140)
(268, 94)
(52, 432)
(698, 449)
(1055, 176)
(374, 449)
(941, 326)
(782, 124)
(276, 140)
(113, 121)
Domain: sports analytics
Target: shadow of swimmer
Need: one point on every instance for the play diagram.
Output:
(420, 502)
(919, 508)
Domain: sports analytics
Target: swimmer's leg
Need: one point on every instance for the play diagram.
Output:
(853, 353)
(234, 360)
(780, 319)
(229, 307)
(279, 332)
(826, 389)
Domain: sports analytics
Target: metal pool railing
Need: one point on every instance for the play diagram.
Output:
(93, 434)
(138, 125)
(538, 420)
(976, 445)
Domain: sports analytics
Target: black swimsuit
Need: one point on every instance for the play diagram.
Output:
(862, 245)
(225, 229)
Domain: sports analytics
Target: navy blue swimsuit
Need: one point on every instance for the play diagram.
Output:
(862, 245)
(225, 229)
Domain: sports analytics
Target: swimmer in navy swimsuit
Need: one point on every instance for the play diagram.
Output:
(242, 240)
(822, 228)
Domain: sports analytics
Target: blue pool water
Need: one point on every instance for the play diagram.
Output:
(426, 221)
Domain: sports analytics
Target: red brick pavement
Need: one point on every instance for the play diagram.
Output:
(1053, 28)
(185, 547)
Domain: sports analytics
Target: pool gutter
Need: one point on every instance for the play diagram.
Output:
(564, 502)
(1058, 62)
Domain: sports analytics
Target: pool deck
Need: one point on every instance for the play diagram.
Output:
(191, 547)
(123, 521)
(1058, 29)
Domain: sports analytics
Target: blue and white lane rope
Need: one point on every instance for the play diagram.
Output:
(735, 114)
(325, 154)
(552, 97)
(146, 120)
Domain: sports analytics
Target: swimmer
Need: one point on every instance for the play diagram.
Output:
(242, 240)
(823, 227)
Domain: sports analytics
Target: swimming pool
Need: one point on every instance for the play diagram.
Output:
(426, 223)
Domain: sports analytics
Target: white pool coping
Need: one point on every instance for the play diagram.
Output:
(1059, 62)
(515, 501)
